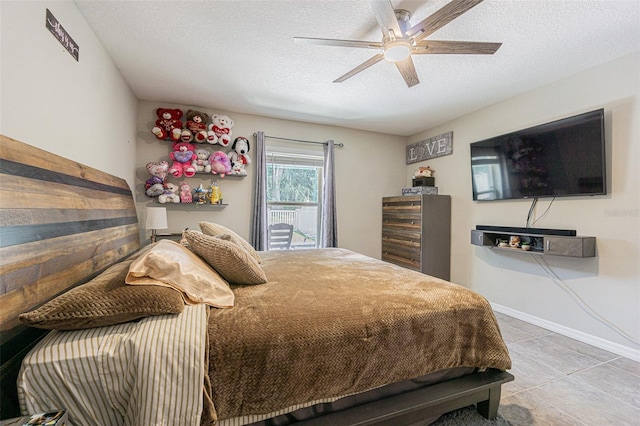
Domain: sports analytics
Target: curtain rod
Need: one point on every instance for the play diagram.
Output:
(340, 144)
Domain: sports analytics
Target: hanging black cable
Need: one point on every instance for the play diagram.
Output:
(533, 204)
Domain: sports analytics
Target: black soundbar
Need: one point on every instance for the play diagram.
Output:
(536, 231)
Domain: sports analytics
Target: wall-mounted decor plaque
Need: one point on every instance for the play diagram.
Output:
(436, 146)
(63, 37)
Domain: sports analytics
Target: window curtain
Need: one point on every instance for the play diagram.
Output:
(259, 219)
(328, 225)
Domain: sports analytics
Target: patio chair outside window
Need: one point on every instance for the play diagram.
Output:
(279, 236)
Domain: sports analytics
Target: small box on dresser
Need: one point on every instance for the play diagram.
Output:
(423, 181)
(420, 190)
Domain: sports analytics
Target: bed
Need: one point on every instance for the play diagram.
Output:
(317, 337)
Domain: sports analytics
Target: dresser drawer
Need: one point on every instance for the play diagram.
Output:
(395, 256)
(401, 221)
(407, 204)
(400, 237)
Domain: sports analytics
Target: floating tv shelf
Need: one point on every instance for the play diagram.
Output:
(558, 242)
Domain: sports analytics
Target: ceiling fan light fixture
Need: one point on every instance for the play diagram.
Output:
(398, 50)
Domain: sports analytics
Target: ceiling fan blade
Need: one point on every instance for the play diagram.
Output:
(339, 43)
(433, 47)
(386, 17)
(408, 71)
(440, 18)
(363, 66)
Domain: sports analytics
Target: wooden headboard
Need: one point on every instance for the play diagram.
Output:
(61, 223)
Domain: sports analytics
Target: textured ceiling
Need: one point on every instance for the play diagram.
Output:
(239, 56)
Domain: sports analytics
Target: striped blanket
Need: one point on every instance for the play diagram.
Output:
(124, 374)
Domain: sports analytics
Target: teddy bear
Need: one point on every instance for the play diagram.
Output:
(424, 172)
(201, 161)
(168, 125)
(195, 128)
(170, 194)
(220, 163)
(238, 156)
(158, 171)
(220, 130)
(182, 155)
(185, 193)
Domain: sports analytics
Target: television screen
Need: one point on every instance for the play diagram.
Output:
(561, 158)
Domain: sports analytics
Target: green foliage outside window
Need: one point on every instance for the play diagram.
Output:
(291, 183)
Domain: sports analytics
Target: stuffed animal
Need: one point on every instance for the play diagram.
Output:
(214, 194)
(199, 196)
(159, 168)
(183, 154)
(154, 186)
(424, 171)
(220, 130)
(220, 164)
(168, 125)
(185, 193)
(238, 156)
(170, 194)
(195, 129)
(201, 162)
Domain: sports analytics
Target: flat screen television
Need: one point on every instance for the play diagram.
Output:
(558, 159)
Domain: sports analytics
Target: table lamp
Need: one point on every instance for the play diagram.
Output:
(156, 219)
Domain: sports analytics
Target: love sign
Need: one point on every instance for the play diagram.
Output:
(436, 146)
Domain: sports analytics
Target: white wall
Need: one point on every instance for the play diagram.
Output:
(82, 110)
(608, 283)
(367, 168)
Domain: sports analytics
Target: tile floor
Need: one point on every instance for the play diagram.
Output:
(561, 381)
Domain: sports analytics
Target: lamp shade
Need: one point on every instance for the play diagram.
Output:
(156, 218)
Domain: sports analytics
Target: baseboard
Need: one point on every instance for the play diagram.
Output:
(598, 342)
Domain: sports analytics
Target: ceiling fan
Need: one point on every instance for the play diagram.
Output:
(400, 41)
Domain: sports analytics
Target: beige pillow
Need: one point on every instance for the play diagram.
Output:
(105, 300)
(228, 258)
(171, 265)
(213, 229)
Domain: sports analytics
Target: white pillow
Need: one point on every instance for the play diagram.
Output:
(169, 264)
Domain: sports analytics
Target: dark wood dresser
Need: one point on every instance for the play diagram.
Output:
(416, 233)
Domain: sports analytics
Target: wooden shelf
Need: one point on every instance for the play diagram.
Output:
(541, 244)
(192, 206)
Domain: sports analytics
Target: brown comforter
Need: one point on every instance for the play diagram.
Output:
(332, 322)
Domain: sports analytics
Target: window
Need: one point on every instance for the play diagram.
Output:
(294, 192)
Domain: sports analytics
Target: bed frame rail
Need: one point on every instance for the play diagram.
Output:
(482, 389)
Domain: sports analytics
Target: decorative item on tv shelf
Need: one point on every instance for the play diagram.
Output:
(423, 182)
